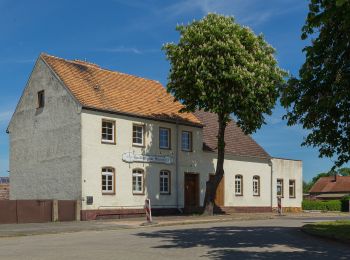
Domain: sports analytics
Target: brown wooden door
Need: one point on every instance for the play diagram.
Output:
(191, 190)
(220, 192)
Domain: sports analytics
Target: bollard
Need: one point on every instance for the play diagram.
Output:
(148, 210)
(279, 205)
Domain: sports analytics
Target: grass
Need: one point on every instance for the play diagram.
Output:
(337, 230)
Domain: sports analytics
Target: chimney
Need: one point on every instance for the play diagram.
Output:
(335, 177)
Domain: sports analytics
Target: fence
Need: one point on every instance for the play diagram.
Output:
(38, 211)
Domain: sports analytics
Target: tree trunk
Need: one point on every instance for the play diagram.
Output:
(212, 185)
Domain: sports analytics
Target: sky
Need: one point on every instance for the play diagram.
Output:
(127, 36)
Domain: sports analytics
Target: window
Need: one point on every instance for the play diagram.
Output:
(256, 186)
(108, 131)
(291, 188)
(137, 135)
(239, 185)
(280, 187)
(41, 99)
(186, 141)
(107, 180)
(137, 181)
(164, 138)
(164, 185)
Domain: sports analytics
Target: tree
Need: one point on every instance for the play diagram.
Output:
(320, 98)
(223, 67)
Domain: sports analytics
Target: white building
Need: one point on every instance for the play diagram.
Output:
(80, 132)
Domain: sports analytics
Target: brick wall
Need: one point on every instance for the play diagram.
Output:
(4, 191)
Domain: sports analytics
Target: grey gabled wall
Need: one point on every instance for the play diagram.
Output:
(45, 144)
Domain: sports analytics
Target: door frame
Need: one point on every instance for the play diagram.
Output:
(197, 180)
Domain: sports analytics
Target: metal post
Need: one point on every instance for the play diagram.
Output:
(148, 210)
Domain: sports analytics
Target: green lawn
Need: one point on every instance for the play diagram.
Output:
(339, 230)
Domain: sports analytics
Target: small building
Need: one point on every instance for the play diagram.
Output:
(332, 187)
(111, 140)
(4, 188)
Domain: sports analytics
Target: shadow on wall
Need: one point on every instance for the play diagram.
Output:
(251, 243)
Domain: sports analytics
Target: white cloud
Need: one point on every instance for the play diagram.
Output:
(122, 49)
(251, 12)
(5, 116)
(17, 61)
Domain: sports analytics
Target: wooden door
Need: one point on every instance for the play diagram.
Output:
(191, 190)
(220, 192)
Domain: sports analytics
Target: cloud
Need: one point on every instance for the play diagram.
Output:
(252, 12)
(5, 116)
(17, 61)
(122, 49)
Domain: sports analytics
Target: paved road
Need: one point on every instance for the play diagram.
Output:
(258, 239)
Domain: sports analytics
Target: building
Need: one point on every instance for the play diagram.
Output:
(111, 140)
(4, 188)
(332, 187)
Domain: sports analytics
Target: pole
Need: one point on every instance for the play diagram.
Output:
(148, 210)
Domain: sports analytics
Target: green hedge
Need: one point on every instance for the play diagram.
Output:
(324, 205)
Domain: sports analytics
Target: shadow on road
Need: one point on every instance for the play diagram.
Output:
(251, 243)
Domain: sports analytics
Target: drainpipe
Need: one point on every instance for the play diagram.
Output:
(271, 183)
(177, 167)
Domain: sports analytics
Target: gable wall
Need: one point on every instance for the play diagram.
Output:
(45, 144)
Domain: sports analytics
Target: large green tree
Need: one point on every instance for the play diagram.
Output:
(223, 67)
(319, 98)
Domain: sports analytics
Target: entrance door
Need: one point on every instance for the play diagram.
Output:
(191, 190)
(220, 192)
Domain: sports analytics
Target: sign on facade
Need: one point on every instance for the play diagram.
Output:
(131, 157)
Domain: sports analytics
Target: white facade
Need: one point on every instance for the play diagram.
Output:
(57, 152)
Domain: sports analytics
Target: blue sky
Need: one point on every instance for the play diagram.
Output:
(127, 35)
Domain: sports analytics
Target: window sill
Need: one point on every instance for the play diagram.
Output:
(138, 145)
(164, 148)
(107, 142)
(138, 193)
(108, 193)
(292, 197)
(164, 193)
(187, 151)
(257, 195)
(238, 195)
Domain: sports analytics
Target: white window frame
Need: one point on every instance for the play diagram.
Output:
(108, 173)
(291, 185)
(164, 176)
(138, 181)
(256, 185)
(160, 138)
(111, 141)
(189, 139)
(280, 184)
(238, 185)
(142, 134)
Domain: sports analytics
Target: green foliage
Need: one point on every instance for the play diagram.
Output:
(339, 229)
(324, 205)
(223, 67)
(320, 98)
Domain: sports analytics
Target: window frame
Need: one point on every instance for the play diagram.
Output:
(169, 182)
(142, 174)
(190, 138)
(256, 178)
(282, 188)
(143, 135)
(107, 192)
(40, 99)
(104, 141)
(241, 185)
(169, 138)
(294, 188)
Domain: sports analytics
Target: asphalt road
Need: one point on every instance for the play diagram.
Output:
(258, 239)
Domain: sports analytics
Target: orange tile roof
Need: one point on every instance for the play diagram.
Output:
(111, 91)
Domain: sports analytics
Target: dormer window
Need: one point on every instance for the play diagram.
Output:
(41, 99)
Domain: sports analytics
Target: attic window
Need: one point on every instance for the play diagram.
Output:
(41, 99)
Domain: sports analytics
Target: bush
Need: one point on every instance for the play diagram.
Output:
(324, 205)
